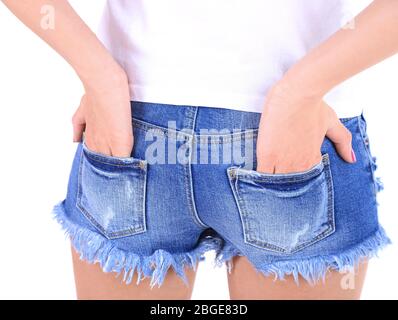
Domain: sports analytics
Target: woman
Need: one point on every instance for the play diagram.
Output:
(220, 125)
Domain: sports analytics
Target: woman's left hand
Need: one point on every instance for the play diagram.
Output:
(292, 129)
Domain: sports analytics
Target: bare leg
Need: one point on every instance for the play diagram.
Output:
(93, 283)
(245, 283)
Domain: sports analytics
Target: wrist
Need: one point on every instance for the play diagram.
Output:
(305, 82)
(104, 76)
(290, 92)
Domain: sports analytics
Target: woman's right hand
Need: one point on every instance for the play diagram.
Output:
(104, 115)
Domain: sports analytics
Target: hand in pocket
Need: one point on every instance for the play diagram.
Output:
(292, 130)
(104, 117)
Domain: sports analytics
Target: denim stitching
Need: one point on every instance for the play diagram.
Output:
(143, 196)
(330, 212)
(146, 126)
(226, 138)
(137, 123)
(133, 165)
(243, 212)
(188, 176)
(130, 162)
(263, 245)
(246, 226)
(235, 136)
(90, 218)
(364, 135)
(233, 188)
(284, 178)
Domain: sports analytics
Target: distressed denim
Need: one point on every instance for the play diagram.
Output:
(137, 215)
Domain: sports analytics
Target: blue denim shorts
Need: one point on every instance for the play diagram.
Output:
(191, 186)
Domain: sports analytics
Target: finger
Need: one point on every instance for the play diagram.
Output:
(123, 149)
(94, 143)
(270, 169)
(78, 132)
(341, 137)
(79, 125)
(266, 166)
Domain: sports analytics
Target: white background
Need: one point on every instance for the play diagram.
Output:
(38, 95)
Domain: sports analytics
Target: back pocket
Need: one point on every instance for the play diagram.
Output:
(111, 193)
(285, 212)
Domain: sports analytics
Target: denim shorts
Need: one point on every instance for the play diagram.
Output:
(191, 186)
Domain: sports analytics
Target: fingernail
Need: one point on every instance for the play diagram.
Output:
(354, 158)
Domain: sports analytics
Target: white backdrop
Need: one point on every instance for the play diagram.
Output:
(38, 95)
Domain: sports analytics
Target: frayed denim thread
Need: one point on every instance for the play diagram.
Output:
(93, 248)
(378, 181)
(225, 256)
(316, 268)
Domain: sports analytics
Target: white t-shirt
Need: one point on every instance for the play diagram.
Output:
(221, 53)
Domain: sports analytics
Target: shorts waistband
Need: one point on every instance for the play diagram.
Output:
(196, 120)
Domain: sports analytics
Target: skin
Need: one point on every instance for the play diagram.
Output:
(246, 284)
(293, 124)
(93, 284)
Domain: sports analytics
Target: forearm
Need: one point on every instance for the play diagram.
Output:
(70, 37)
(373, 38)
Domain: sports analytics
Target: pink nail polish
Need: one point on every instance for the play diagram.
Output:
(354, 158)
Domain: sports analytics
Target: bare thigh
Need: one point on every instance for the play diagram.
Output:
(245, 283)
(93, 283)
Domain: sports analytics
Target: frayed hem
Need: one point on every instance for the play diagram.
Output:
(95, 248)
(315, 269)
(225, 256)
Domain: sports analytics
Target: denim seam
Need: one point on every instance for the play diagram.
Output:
(90, 218)
(230, 179)
(330, 212)
(285, 178)
(189, 179)
(226, 138)
(364, 135)
(187, 167)
(137, 164)
(146, 126)
(143, 201)
(109, 160)
(263, 245)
